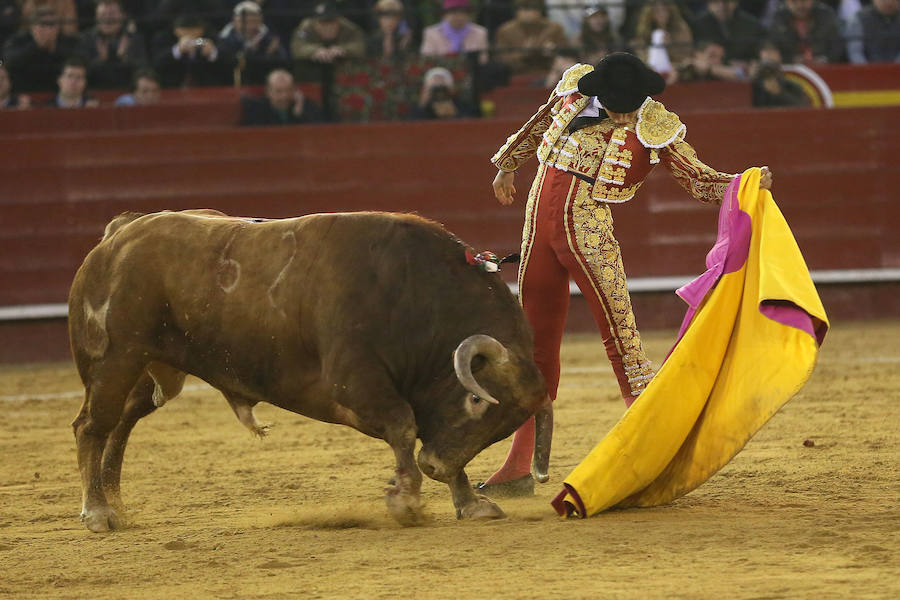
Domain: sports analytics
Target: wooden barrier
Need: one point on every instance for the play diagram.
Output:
(835, 181)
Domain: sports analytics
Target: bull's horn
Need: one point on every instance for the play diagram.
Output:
(543, 435)
(473, 345)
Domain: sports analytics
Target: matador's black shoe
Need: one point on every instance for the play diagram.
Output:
(514, 488)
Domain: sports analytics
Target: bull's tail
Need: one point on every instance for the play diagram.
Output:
(118, 222)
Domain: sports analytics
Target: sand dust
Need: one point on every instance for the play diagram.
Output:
(217, 513)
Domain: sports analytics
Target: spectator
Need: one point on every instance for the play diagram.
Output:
(283, 104)
(517, 43)
(10, 18)
(186, 56)
(568, 14)
(7, 98)
(874, 33)
(35, 57)
(144, 91)
(112, 51)
(565, 59)
(770, 88)
(392, 37)
(706, 64)
(456, 34)
(258, 50)
(598, 36)
(64, 10)
(528, 42)
(438, 98)
(737, 31)
(214, 12)
(282, 17)
(72, 83)
(326, 37)
(662, 30)
(808, 31)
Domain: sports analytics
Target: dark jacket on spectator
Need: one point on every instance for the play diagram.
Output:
(823, 37)
(259, 56)
(403, 44)
(54, 101)
(791, 94)
(115, 72)
(33, 68)
(874, 37)
(740, 35)
(259, 112)
(12, 101)
(10, 15)
(188, 71)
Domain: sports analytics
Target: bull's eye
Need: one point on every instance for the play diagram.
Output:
(474, 406)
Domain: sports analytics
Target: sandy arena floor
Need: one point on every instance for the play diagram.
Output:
(219, 514)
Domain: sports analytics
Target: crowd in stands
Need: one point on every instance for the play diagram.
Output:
(63, 48)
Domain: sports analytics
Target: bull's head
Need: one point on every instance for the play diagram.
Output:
(492, 391)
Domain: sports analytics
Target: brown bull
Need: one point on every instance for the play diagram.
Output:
(370, 320)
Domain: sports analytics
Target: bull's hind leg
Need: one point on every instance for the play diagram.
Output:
(107, 388)
(243, 410)
(158, 384)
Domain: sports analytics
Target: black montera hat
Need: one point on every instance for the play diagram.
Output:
(621, 82)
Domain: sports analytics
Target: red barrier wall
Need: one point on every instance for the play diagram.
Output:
(835, 175)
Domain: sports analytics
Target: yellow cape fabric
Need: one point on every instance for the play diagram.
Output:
(731, 371)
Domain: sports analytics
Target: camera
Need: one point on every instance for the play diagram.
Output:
(440, 93)
(198, 42)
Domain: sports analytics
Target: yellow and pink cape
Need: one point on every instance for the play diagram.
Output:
(749, 342)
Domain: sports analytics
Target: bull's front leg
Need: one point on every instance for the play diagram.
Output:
(403, 498)
(470, 505)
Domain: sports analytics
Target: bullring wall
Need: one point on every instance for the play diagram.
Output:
(835, 171)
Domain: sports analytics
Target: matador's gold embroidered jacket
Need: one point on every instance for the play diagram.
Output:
(617, 158)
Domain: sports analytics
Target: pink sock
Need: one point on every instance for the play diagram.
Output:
(518, 461)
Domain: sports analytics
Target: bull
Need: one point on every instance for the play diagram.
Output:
(371, 320)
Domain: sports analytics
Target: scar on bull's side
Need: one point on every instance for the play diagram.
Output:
(96, 339)
(228, 272)
(273, 289)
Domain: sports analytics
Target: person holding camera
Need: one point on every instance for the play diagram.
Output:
(438, 98)
(187, 56)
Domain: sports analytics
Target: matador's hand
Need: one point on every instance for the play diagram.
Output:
(765, 179)
(504, 188)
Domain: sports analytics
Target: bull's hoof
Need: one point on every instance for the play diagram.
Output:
(405, 509)
(482, 508)
(523, 486)
(103, 519)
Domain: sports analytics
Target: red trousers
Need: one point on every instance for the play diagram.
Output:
(569, 235)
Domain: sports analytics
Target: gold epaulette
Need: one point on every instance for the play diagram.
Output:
(569, 82)
(658, 127)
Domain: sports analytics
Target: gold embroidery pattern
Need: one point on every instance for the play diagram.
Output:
(593, 232)
(700, 180)
(657, 127)
(569, 81)
(614, 195)
(553, 139)
(528, 228)
(522, 145)
(588, 155)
